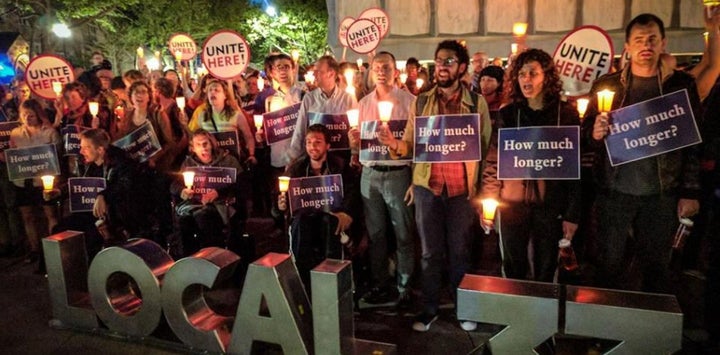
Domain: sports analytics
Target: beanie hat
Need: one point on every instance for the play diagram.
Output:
(493, 71)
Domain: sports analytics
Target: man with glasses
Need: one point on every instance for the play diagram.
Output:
(443, 191)
(479, 61)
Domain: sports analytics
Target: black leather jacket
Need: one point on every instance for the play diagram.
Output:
(678, 170)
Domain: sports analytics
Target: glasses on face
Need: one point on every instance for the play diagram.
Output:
(282, 67)
(447, 62)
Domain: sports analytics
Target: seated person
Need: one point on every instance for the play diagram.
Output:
(203, 215)
(315, 234)
(121, 206)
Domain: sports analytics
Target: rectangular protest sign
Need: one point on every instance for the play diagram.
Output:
(211, 178)
(83, 191)
(30, 162)
(530, 153)
(447, 138)
(651, 128)
(370, 147)
(228, 140)
(279, 125)
(338, 126)
(140, 144)
(5, 129)
(71, 138)
(319, 192)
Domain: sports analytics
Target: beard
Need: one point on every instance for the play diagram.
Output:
(446, 83)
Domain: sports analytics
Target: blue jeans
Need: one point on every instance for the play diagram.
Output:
(383, 194)
(445, 226)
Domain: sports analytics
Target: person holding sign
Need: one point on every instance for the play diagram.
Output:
(541, 210)
(35, 129)
(125, 204)
(645, 197)
(204, 213)
(444, 191)
(326, 98)
(383, 186)
(218, 115)
(316, 234)
(21, 92)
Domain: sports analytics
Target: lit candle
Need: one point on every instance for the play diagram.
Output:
(519, 28)
(57, 88)
(489, 208)
(189, 178)
(283, 183)
(94, 107)
(157, 54)
(178, 55)
(353, 117)
(349, 75)
(711, 2)
(403, 78)
(605, 98)
(180, 101)
(385, 109)
(359, 62)
(258, 119)
(295, 55)
(119, 111)
(48, 182)
(140, 52)
(419, 83)
(260, 83)
(582, 105)
(513, 48)
(310, 77)
(350, 90)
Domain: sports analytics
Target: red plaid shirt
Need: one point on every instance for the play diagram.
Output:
(448, 175)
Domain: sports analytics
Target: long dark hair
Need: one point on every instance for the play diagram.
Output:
(552, 85)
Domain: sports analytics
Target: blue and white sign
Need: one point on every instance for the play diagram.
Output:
(71, 138)
(319, 192)
(30, 162)
(5, 129)
(140, 144)
(651, 128)
(370, 147)
(83, 191)
(279, 125)
(228, 140)
(530, 153)
(338, 126)
(447, 138)
(211, 178)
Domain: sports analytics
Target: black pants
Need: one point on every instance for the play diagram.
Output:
(313, 240)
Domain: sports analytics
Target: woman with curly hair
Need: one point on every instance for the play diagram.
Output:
(541, 211)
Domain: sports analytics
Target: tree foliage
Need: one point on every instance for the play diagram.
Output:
(118, 27)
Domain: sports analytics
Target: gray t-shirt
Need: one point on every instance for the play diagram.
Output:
(641, 177)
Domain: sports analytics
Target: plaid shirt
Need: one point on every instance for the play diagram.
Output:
(448, 175)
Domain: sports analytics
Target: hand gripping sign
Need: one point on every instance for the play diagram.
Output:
(225, 54)
(582, 56)
(182, 44)
(43, 70)
(363, 36)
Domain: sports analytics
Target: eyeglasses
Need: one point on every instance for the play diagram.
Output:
(447, 62)
(282, 67)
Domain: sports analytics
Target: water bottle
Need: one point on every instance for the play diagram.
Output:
(683, 231)
(566, 255)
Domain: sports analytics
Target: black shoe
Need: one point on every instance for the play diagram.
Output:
(379, 295)
(423, 321)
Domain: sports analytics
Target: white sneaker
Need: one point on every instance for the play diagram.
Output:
(468, 325)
